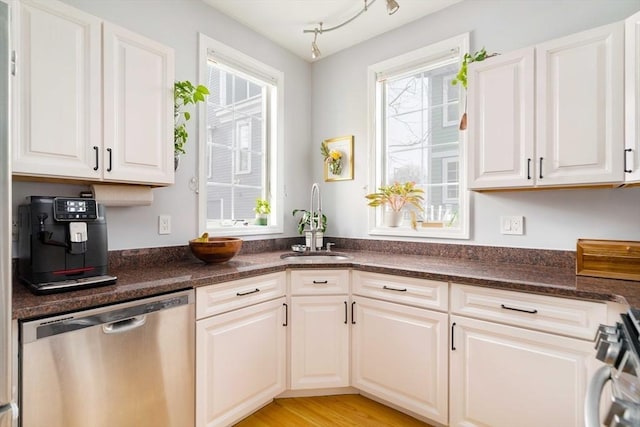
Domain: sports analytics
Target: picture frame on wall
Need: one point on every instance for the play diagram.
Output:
(338, 158)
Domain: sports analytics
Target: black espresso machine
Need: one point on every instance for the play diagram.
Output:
(62, 244)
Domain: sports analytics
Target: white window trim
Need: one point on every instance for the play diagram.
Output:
(392, 67)
(276, 147)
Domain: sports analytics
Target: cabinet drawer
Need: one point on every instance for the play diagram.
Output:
(563, 316)
(405, 290)
(319, 282)
(223, 297)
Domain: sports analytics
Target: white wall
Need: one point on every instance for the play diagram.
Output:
(553, 219)
(333, 90)
(176, 23)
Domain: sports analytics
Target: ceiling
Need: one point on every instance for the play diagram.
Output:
(282, 21)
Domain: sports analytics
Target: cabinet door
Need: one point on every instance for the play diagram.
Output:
(240, 362)
(58, 94)
(399, 354)
(579, 83)
(319, 342)
(501, 121)
(632, 99)
(502, 376)
(138, 108)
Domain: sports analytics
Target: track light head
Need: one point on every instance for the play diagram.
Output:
(315, 51)
(392, 6)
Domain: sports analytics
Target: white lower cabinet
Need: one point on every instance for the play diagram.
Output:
(319, 342)
(399, 355)
(503, 376)
(520, 359)
(319, 328)
(240, 354)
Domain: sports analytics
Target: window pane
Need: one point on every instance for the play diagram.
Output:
(420, 142)
(236, 145)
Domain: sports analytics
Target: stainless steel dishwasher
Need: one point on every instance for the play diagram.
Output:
(124, 365)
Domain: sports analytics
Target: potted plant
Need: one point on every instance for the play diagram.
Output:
(262, 210)
(461, 77)
(395, 197)
(184, 93)
(320, 224)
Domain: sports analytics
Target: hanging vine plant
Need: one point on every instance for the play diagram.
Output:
(461, 77)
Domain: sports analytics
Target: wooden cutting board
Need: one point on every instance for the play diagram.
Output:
(613, 259)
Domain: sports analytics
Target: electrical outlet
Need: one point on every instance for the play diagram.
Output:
(164, 224)
(512, 225)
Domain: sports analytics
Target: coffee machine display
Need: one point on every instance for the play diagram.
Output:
(62, 244)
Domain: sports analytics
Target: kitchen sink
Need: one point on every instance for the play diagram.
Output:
(315, 256)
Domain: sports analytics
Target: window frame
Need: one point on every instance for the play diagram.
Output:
(274, 121)
(394, 67)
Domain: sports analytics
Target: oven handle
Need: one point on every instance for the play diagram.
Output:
(592, 399)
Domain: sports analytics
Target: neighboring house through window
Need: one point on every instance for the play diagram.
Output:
(243, 136)
(416, 112)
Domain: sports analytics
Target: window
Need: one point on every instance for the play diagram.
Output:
(243, 137)
(415, 119)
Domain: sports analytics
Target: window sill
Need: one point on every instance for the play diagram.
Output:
(420, 233)
(244, 230)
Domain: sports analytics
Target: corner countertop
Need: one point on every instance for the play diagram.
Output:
(140, 282)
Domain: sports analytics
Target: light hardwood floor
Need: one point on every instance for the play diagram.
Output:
(335, 411)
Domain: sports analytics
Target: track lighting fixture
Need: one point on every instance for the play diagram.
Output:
(392, 7)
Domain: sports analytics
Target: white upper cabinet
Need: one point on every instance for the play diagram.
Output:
(501, 108)
(579, 114)
(632, 99)
(57, 97)
(138, 107)
(574, 136)
(93, 101)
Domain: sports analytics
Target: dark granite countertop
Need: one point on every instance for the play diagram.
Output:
(146, 280)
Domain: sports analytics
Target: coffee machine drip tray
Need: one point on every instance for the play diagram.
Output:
(72, 284)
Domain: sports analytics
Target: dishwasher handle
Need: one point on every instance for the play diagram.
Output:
(125, 325)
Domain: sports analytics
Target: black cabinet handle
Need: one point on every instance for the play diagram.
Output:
(241, 294)
(95, 148)
(286, 314)
(522, 310)
(529, 168)
(320, 282)
(453, 344)
(110, 159)
(353, 319)
(346, 305)
(540, 171)
(627, 150)
(394, 289)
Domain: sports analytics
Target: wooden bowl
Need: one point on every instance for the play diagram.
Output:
(217, 249)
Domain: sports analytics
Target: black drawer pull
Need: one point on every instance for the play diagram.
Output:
(241, 294)
(346, 314)
(286, 315)
(110, 159)
(540, 171)
(320, 282)
(394, 289)
(95, 148)
(453, 343)
(529, 168)
(353, 319)
(627, 150)
(522, 310)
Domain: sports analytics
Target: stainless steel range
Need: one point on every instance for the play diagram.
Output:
(619, 347)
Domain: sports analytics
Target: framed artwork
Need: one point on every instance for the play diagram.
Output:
(338, 158)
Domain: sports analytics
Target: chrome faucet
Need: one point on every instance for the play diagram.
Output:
(313, 225)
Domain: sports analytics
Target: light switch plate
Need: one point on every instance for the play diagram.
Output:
(512, 225)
